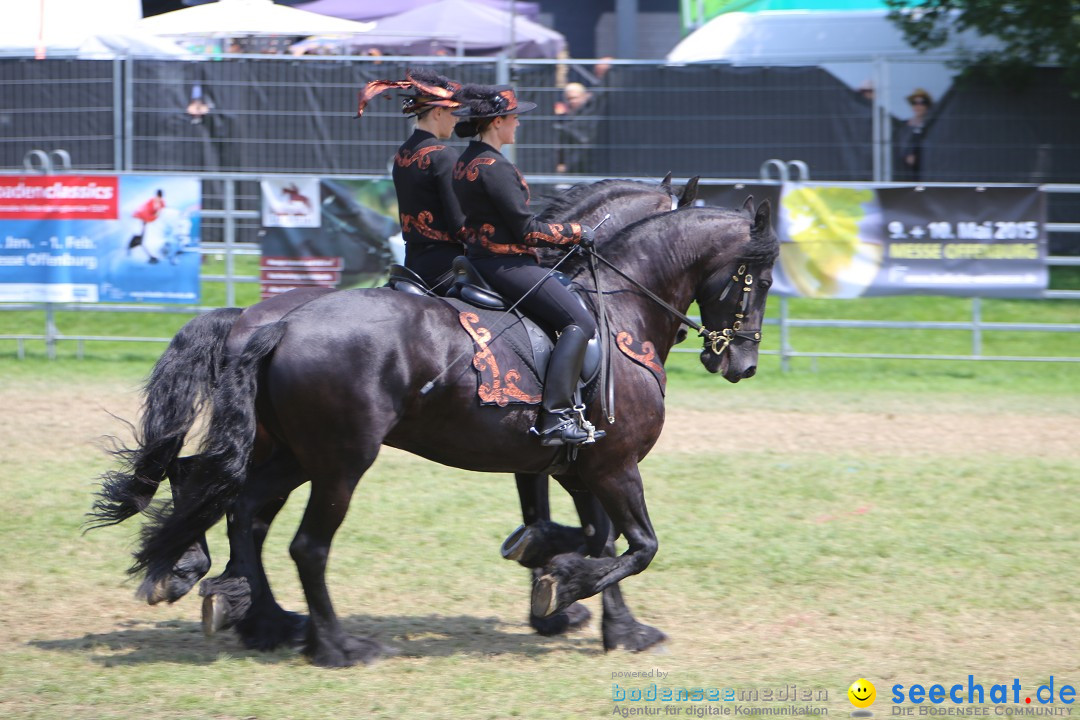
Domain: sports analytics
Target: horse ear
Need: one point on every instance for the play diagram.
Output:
(763, 218)
(689, 193)
(748, 206)
(666, 182)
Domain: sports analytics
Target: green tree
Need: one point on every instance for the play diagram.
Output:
(1032, 32)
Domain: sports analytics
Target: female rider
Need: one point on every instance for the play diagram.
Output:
(430, 214)
(500, 234)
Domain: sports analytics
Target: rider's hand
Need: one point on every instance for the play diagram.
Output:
(588, 236)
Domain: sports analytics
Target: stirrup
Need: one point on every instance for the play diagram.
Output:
(572, 429)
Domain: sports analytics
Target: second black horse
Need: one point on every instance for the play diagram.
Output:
(284, 410)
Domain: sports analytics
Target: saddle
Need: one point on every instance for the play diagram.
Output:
(405, 280)
(512, 351)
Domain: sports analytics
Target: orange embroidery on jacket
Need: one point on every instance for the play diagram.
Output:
(421, 224)
(506, 248)
(472, 170)
(475, 236)
(558, 236)
(482, 236)
(493, 387)
(420, 157)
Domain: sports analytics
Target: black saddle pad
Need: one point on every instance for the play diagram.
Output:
(504, 358)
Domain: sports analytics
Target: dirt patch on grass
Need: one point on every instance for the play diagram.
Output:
(922, 434)
(37, 417)
(40, 418)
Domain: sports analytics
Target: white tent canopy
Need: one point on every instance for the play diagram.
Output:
(248, 17)
(450, 24)
(845, 43)
(99, 28)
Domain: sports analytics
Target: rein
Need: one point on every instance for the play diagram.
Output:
(715, 340)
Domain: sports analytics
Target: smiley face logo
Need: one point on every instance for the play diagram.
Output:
(862, 693)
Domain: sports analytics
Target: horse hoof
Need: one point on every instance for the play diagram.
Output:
(634, 636)
(545, 596)
(572, 618)
(514, 546)
(350, 651)
(215, 612)
(578, 616)
(154, 592)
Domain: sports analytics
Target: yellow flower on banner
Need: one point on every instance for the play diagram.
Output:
(823, 225)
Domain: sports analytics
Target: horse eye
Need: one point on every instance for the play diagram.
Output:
(764, 284)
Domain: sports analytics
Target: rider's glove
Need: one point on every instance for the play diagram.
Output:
(588, 236)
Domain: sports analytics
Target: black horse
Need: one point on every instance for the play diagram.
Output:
(285, 410)
(182, 382)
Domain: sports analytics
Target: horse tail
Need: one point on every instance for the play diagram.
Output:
(178, 388)
(221, 468)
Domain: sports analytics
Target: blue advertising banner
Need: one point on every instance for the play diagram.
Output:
(72, 238)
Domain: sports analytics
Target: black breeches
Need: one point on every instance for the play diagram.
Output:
(552, 304)
(431, 261)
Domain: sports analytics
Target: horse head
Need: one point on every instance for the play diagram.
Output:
(732, 299)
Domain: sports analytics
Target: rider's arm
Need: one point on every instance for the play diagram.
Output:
(508, 193)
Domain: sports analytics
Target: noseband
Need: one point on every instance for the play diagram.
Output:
(717, 341)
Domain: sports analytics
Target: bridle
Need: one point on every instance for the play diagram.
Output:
(715, 341)
(718, 340)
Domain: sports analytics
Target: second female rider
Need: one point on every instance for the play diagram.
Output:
(500, 233)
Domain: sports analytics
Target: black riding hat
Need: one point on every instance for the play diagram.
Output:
(488, 101)
(430, 90)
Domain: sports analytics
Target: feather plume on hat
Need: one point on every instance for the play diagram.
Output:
(429, 90)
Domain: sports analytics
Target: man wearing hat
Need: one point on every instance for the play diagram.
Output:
(431, 217)
(500, 234)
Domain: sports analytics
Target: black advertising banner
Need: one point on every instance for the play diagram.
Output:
(847, 241)
(987, 242)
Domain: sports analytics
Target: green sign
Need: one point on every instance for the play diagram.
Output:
(696, 13)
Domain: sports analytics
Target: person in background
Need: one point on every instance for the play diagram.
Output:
(914, 134)
(199, 105)
(576, 128)
(500, 234)
(431, 217)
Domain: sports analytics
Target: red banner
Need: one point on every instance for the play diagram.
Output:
(59, 197)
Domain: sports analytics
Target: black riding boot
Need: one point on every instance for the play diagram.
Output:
(559, 422)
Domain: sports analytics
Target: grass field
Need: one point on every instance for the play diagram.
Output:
(902, 522)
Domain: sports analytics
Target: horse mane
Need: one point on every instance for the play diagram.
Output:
(562, 204)
(763, 246)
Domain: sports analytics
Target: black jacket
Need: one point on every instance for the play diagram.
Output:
(495, 200)
(429, 209)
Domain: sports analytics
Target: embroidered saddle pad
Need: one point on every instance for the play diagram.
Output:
(505, 359)
(512, 353)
